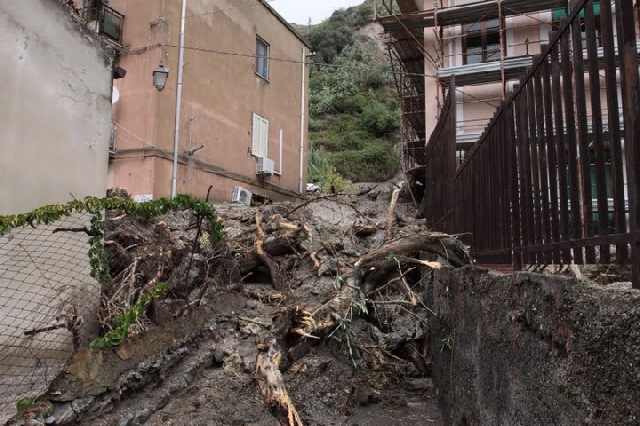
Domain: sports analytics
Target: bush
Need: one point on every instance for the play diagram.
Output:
(378, 161)
(323, 174)
(335, 140)
(363, 14)
(329, 38)
(354, 115)
(380, 120)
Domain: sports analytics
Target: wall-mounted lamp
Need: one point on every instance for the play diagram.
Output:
(160, 76)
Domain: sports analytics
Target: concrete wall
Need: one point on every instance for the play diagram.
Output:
(55, 106)
(55, 119)
(41, 273)
(534, 350)
(221, 91)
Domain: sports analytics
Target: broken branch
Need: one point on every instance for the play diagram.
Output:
(392, 207)
(271, 384)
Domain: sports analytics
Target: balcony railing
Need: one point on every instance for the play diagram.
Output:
(109, 21)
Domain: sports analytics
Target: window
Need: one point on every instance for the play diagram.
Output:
(481, 42)
(260, 136)
(262, 58)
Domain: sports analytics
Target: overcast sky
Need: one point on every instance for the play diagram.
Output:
(299, 11)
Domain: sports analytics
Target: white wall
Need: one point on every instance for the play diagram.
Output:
(55, 127)
(55, 106)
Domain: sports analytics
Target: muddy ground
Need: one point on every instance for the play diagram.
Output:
(354, 339)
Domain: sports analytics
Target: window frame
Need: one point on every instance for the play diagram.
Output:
(262, 59)
(483, 34)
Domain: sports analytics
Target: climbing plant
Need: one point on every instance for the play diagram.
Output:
(97, 206)
(121, 331)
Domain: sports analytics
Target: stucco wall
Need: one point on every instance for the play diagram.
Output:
(55, 119)
(221, 91)
(534, 350)
(41, 274)
(55, 106)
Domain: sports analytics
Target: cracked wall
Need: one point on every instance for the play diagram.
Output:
(55, 106)
(55, 129)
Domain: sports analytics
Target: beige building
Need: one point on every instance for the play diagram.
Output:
(243, 109)
(485, 45)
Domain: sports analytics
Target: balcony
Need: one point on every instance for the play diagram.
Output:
(106, 21)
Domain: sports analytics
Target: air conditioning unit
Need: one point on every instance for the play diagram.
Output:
(241, 195)
(265, 166)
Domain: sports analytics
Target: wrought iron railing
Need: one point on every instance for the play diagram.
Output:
(109, 21)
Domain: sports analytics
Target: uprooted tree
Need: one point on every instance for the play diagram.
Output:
(373, 268)
(377, 274)
(368, 284)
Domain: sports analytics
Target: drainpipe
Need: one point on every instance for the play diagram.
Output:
(176, 136)
(302, 112)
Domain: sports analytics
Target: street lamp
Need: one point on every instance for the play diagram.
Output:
(160, 76)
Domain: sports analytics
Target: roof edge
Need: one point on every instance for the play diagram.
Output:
(284, 21)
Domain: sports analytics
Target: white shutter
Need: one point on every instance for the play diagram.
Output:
(255, 135)
(264, 138)
(260, 136)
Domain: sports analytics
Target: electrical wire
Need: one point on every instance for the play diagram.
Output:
(296, 61)
(434, 77)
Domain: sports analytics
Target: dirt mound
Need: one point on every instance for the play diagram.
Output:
(306, 314)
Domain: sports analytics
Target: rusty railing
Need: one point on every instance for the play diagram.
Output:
(109, 21)
(555, 177)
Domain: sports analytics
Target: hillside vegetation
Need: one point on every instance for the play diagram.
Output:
(354, 115)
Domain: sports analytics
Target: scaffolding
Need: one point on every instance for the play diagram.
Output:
(408, 54)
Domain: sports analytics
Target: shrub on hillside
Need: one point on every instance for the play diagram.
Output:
(378, 161)
(323, 173)
(380, 120)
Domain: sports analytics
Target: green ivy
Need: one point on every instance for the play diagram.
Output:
(25, 403)
(98, 259)
(49, 214)
(123, 321)
(46, 215)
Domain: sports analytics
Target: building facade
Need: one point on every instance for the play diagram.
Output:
(486, 46)
(243, 110)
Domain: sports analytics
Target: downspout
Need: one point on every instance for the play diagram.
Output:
(302, 112)
(176, 136)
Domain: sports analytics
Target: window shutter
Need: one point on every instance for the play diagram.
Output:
(264, 140)
(260, 136)
(255, 134)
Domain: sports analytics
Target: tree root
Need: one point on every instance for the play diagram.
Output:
(272, 265)
(443, 245)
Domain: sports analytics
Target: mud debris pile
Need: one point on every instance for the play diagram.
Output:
(308, 313)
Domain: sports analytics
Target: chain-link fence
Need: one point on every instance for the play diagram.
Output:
(48, 305)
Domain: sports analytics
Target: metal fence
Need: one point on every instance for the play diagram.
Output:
(555, 176)
(46, 292)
